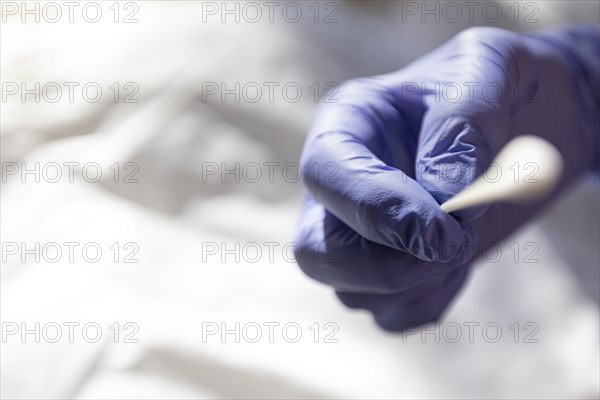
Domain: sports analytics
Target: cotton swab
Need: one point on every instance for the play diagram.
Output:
(526, 169)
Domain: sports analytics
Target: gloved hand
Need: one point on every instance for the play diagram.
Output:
(378, 163)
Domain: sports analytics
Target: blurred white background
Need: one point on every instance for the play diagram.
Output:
(174, 213)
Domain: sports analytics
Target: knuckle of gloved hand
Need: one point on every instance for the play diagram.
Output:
(355, 86)
(401, 322)
(307, 256)
(316, 169)
(332, 265)
(352, 300)
(494, 45)
(483, 34)
(359, 92)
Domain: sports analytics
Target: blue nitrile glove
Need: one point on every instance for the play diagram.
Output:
(379, 162)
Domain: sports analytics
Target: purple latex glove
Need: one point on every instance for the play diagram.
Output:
(378, 163)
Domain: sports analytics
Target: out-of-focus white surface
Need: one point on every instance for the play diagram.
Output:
(170, 213)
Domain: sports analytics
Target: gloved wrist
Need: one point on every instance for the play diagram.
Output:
(581, 44)
(579, 48)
